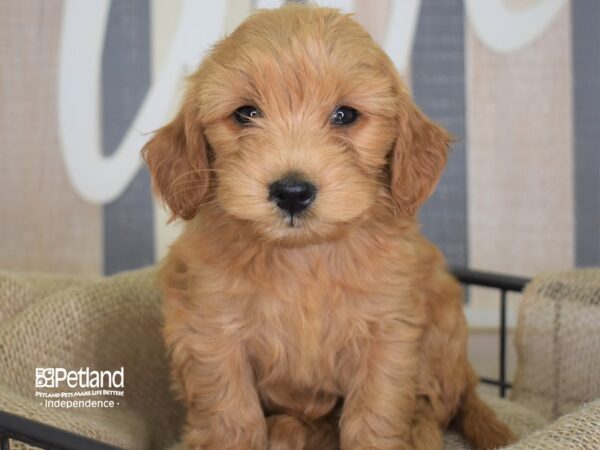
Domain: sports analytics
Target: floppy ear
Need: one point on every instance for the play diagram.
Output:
(417, 160)
(177, 157)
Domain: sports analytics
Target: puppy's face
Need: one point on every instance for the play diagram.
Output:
(296, 125)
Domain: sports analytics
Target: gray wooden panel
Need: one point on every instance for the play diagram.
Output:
(585, 18)
(438, 85)
(128, 222)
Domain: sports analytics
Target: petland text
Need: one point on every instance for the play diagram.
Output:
(54, 377)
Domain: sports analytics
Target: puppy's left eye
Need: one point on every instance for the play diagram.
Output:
(244, 114)
(343, 115)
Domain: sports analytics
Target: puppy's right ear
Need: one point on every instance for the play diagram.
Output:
(177, 157)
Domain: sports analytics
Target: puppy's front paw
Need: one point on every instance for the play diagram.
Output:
(286, 433)
(225, 439)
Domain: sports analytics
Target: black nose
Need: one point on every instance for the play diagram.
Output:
(292, 194)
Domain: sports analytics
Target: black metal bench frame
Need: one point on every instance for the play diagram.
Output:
(20, 429)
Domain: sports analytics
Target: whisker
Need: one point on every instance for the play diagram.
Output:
(189, 188)
(184, 182)
(177, 181)
(188, 172)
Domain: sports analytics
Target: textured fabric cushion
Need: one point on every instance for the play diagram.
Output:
(108, 323)
(558, 336)
(579, 430)
(521, 420)
(98, 323)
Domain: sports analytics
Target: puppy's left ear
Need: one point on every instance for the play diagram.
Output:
(417, 159)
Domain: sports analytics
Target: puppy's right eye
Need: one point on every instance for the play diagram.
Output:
(244, 114)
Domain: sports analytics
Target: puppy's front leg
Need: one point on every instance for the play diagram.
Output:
(380, 401)
(224, 410)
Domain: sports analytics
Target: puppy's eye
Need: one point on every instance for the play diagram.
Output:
(244, 114)
(343, 115)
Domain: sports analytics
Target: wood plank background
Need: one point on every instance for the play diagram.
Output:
(521, 193)
(44, 224)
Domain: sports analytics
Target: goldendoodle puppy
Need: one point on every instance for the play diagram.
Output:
(304, 309)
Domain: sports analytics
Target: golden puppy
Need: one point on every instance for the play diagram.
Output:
(304, 310)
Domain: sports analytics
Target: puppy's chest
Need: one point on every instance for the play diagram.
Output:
(287, 336)
(303, 328)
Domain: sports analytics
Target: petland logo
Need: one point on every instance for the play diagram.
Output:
(84, 378)
(94, 388)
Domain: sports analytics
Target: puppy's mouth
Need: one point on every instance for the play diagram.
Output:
(294, 220)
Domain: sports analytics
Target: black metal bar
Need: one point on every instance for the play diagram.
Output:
(504, 283)
(494, 382)
(489, 279)
(4, 444)
(502, 343)
(44, 436)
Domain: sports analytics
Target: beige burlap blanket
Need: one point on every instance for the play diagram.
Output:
(103, 324)
(108, 323)
(558, 342)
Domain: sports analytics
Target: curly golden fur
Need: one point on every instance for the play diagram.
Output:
(337, 328)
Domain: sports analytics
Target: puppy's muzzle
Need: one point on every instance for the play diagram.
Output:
(292, 194)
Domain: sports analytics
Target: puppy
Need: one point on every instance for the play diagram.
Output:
(303, 308)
